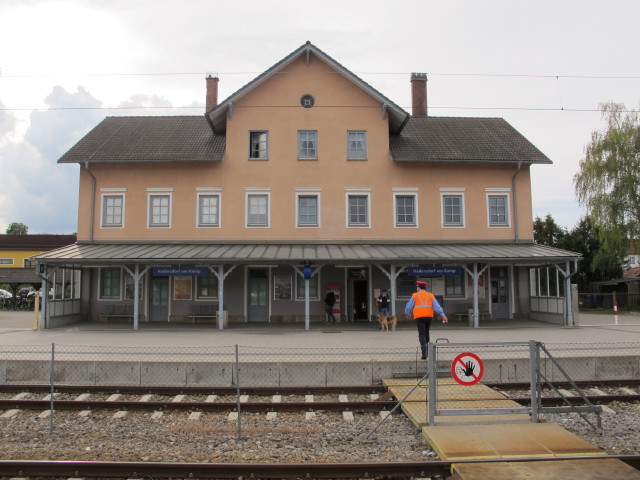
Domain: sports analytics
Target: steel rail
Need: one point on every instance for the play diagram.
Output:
(45, 468)
(257, 407)
(371, 406)
(267, 390)
(193, 390)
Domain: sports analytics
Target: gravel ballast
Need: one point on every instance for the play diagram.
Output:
(288, 438)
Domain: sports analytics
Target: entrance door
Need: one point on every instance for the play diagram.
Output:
(358, 308)
(258, 295)
(499, 293)
(159, 299)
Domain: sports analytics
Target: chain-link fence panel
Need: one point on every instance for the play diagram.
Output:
(25, 364)
(273, 367)
(324, 367)
(593, 361)
(456, 373)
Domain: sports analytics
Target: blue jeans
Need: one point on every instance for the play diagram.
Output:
(384, 311)
(330, 316)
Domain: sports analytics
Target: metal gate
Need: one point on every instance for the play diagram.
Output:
(456, 372)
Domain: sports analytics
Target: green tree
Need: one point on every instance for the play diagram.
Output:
(597, 263)
(608, 182)
(547, 231)
(17, 228)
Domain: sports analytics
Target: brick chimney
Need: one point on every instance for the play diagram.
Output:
(419, 94)
(212, 93)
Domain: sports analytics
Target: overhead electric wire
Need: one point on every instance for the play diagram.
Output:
(442, 74)
(531, 109)
(431, 107)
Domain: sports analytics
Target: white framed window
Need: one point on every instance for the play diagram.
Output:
(307, 210)
(257, 210)
(452, 209)
(314, 292)
(113, 210)
(307, 145)
(454, 285)
(208, 210)
(405, 285)
(6, 261)
(405, 207)
(358, 210)
(110, 283)
(207, 287)
(259, 145)
(159, 210)
(130, 288)
(356, 145)
(498, 209)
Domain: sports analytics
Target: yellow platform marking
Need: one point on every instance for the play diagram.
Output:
(453, 442)
(496, 436)
(452, 395)
(566, 470)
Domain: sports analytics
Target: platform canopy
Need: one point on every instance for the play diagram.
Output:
(266, 253)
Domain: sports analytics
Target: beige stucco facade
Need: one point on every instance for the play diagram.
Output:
(274, 107)
(182, 208)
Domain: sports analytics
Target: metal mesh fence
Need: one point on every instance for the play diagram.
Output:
(255, 366)
(594, 302)
(203, 366)
(454, 379)
(459, 373)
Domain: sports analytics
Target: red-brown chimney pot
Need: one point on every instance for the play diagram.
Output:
(212, 93)
(419, 94)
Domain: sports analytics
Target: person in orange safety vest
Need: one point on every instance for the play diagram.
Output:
(421, 307)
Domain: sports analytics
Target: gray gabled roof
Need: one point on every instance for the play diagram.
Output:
(148, 139)
(296, 253)
(462, 139)
(218, 115)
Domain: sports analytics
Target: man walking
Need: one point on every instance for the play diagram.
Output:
(421, 307)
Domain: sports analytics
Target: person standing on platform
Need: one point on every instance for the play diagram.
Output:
(421, 307)
(329, 302)
(383, 303)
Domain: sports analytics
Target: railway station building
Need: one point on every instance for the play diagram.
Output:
(305, 180)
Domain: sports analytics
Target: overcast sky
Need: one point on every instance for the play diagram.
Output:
(544, 66)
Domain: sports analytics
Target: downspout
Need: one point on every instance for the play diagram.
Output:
(93, 200)
(516, 236)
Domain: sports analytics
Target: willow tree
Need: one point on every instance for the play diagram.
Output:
(608, 182)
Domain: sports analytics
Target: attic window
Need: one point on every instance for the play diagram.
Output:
(307, 101)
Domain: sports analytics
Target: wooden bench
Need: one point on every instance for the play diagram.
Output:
(203, 311)
(119, 311)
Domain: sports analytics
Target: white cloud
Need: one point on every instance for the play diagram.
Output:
(36, 190)
(76, 40)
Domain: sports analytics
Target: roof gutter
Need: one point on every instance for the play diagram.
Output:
(93, 200)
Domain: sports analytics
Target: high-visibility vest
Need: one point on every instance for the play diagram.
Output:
(422, 304)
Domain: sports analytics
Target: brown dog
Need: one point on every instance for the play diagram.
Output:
(387, 321)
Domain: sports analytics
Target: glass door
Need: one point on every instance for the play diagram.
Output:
(258, 295)
(499, 293)
(159, 299)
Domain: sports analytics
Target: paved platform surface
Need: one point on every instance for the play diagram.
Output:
(16, 328)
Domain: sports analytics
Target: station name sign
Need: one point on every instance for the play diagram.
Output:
(434, 271)
(179, 271)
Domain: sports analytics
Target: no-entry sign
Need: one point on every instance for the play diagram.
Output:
(467, 369)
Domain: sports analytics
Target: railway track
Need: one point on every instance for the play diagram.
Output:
(153, 470)
(368, 399)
